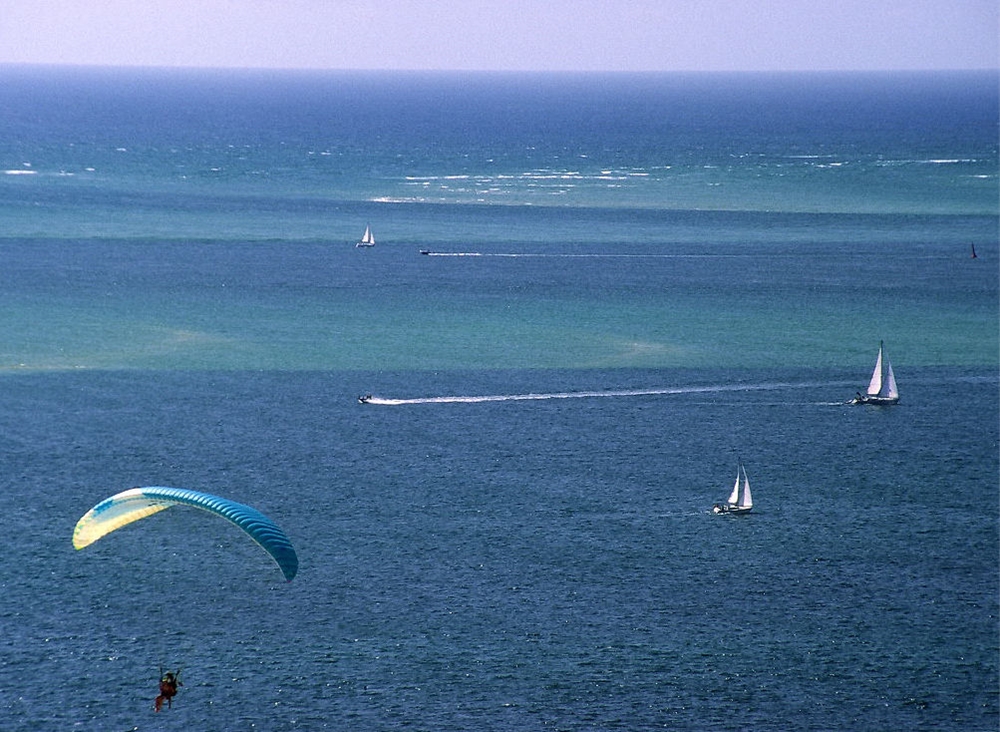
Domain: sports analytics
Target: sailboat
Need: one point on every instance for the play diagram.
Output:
(368, 240)
(740, 500)
(882, 387)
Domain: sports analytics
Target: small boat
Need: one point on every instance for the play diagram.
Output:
(974, 252)
(367, 240)
(882, 387)
(364, 398)
(740, 501)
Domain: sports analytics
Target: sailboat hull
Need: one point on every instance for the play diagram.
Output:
(874, 399)
(731, 509)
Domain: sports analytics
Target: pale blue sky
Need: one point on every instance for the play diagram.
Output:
(582, 35)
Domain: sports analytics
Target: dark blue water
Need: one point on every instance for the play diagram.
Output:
(508, 564)
(633, 282)
(150, 149)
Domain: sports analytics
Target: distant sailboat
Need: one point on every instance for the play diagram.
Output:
(882, 387)
(974, 252)
(368, 240)
(740, 500)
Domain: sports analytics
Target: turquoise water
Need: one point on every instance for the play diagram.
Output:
(561, 304)
(630, 283)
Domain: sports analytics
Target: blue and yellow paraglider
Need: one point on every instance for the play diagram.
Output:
(137, 503)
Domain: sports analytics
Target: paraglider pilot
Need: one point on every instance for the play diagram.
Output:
(169, 682)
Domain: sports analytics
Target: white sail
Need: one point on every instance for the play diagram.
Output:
(746, 500)
(889, 388)
(368, 240)
(740, 500)
(735, 495)
(875, 385)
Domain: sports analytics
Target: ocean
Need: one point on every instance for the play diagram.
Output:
(591, 296)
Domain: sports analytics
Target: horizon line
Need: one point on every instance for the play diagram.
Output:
(429, 70)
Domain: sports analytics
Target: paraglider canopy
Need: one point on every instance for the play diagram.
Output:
(137, 503)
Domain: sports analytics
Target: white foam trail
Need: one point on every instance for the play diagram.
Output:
(709, 389)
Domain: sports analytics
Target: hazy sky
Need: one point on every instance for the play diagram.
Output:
(616, 35)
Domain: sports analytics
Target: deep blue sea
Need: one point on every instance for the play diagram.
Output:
(590, 297)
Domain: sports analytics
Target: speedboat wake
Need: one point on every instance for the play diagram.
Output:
(605, 393)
